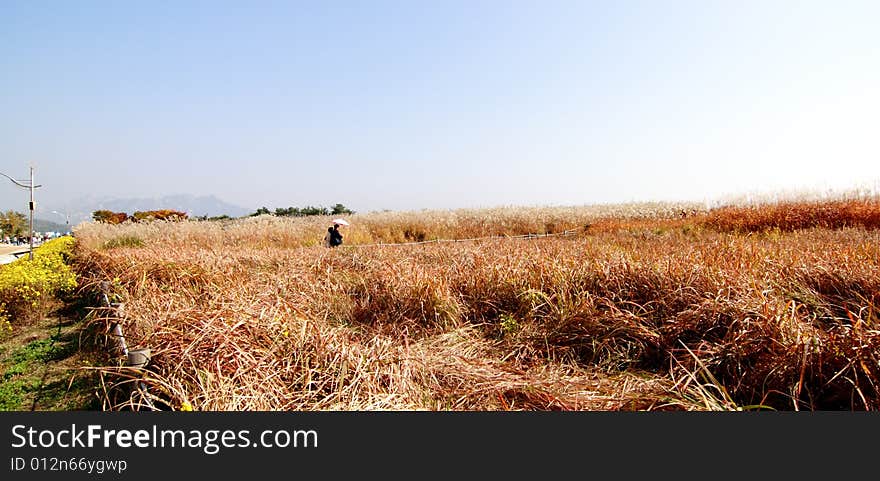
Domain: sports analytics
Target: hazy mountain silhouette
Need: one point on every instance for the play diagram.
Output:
(81, 209)
(42, 225)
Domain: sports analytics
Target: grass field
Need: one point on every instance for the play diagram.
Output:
(42, 368)
(644, 307)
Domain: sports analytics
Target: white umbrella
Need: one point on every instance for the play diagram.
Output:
(341, 222)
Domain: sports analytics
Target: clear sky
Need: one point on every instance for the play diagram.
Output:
(408, 105)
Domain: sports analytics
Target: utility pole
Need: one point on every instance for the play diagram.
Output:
(30, 185)
(31, 227)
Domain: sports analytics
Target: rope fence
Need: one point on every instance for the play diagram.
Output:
(565, 233)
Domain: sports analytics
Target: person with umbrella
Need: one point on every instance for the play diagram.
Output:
(334, 237)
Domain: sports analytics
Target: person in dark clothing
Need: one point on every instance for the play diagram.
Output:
(334, 236)
(327, 236)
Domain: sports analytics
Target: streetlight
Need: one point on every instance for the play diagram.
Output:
(30, 185)
(66, 220)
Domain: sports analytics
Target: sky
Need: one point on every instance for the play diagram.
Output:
(409, 105)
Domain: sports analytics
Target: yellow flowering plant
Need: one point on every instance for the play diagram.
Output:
(28, 287)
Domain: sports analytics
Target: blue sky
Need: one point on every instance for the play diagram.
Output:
(437, 104)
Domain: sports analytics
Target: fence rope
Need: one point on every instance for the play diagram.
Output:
(565, 233)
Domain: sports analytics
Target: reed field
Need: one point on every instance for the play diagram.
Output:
(639, 307)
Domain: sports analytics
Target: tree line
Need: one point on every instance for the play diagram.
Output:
(15, 224)
(110, 217)
(337, 209)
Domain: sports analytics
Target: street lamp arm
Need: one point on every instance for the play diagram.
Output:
(19, 183)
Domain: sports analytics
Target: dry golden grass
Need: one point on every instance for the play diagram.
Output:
(790, 215)
(639, 311)
(374, 228)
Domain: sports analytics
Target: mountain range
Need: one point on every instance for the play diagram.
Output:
(81, 209)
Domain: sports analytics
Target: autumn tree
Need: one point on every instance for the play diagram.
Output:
(109, 217)
(162, 214)
(13, 223)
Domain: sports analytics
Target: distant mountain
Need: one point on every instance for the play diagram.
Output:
(42, 225)
(81, 209)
